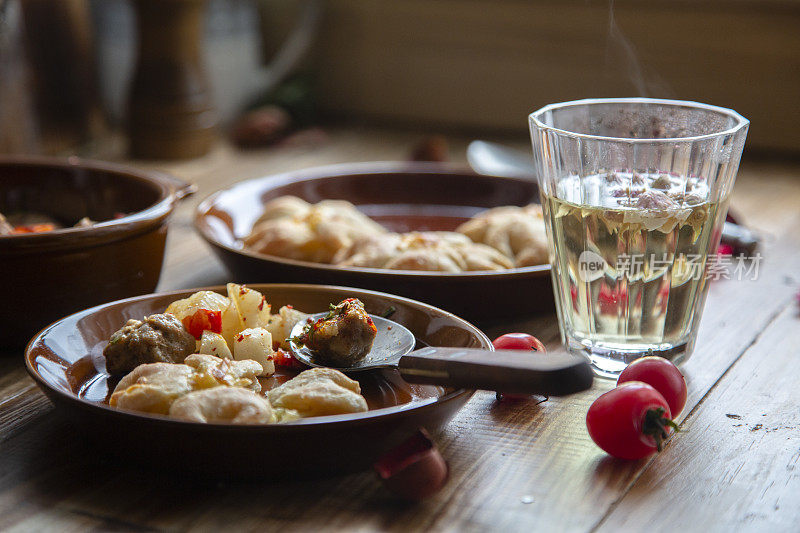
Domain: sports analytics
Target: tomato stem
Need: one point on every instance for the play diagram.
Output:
(657, 426)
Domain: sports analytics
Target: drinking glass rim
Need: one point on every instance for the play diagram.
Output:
(741, 122)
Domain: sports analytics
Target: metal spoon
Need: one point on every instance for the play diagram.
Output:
(510, 371)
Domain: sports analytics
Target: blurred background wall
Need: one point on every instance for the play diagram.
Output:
(482, 64)
(466, 65)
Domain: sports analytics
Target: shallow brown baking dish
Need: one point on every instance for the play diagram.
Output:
(402, 196)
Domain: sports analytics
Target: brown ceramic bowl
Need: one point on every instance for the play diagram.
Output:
(402, 197)
(66, 362)
(44, 276)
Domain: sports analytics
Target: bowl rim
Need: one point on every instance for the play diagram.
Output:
(170, 190)
(353, 169)
(330, 421)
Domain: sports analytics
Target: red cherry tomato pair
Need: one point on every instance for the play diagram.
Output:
(517, 341)
(633, 420)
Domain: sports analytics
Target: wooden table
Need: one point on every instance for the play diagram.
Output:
(514, 467)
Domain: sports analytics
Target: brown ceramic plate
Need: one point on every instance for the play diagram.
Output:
(66, 361)
(48, 275)
(403, 197)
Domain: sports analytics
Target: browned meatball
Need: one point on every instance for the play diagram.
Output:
(343, 337)
(156, 339)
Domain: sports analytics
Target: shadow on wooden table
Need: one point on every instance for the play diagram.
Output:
(54, 466)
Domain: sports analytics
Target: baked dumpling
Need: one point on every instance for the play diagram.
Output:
(319, 392)
(223, 404)
(151, 388)
(292, 228)
(516, 232)
(211, 371)
(439, 251)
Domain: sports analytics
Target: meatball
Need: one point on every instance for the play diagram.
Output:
(155, 339)
(343, 337)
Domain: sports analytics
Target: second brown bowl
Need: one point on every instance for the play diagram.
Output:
(47, 275)
(402, 197)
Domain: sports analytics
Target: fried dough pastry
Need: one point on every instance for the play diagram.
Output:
(319, 392)
(516, 232)
(292, 228)
(213, 371)
(223, 404)
(151, 388)
(441, 251)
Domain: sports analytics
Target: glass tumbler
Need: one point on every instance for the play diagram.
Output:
(634, 194)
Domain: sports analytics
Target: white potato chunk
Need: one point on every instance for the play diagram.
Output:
(255, 344)
(231, 325)
(250, 305)
(200, 300)
(281, 324)
(214, 344)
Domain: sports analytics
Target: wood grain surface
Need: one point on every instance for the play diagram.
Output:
(526, 466)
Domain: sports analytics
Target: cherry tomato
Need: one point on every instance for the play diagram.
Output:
(518, 341)
(631, 421)
(662, 375)
(202, 320)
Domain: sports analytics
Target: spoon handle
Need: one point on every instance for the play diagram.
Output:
(510, 371)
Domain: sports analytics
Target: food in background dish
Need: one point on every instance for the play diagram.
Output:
(29, 222)
(335, 232)
(292, 228)
(342, 337)
(159, 338)
(318, 392)
(516, 232)
(442, 251)
(220, 384)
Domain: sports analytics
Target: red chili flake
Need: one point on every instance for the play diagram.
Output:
(242, 290)
(261, 305)
(240, 338)
(290, 307)
(285, 359)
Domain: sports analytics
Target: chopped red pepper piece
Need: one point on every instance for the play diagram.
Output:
(203, 320)
(286, 360)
